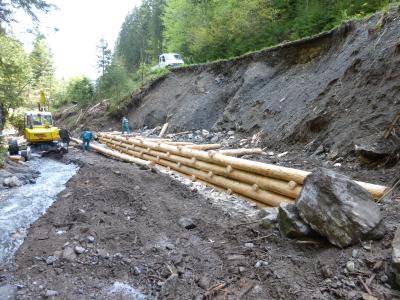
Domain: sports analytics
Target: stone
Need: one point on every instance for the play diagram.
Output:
(205, 132)
(69, 254)
(186, 223)
(51, 259)
(8, 292)
(263, 212)
(103, 253)
(395, 265)
(91, 239)
(236, 257)
(51, 293)
(249, 245)
(79, 250)
(12, 181)
(204, 282)
(339, 209)
(269, 221)
(231, 132)
(290, 223)
(326, 272)
(350, 266)
(214, 139)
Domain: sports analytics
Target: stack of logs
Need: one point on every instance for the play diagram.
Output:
(265, 184)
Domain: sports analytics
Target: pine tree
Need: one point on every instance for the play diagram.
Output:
(104, 56)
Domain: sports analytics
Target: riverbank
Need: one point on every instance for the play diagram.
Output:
(121, 231)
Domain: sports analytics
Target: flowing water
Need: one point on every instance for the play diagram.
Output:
(20, 207)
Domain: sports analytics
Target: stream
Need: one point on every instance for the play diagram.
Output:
(21, 206)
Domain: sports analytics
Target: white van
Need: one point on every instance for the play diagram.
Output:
(170, 60)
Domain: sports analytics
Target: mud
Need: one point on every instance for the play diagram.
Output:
(128, 222)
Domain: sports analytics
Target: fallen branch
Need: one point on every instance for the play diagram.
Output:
(163, 130)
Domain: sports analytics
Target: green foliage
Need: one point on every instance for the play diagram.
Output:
(78, 90)
(41, 60)
(104, 56)
(15, 73)
(9, 7)
(3, 155)
(208, 30)
(16, 120)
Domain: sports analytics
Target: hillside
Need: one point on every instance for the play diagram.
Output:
(335, 90)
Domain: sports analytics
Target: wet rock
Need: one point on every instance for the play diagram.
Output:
(339, 209)
(395, 265)
(290, 223)
(51, 294)
(169, 287)
(12, 181)
(69, 254)
(8, 292)
(186, 223)
(79, 250)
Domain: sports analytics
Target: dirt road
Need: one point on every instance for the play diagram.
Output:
(120, 232)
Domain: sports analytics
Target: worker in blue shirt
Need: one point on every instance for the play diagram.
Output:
(125, 126)
(86, 137)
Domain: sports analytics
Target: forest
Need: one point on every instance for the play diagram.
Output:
(200, 30)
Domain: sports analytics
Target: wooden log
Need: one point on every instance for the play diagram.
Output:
(270, 184)
(115, 154)
(163, 130)
(260, 195)
(267, 170)
(204, 146)
(218, 188)
(241, 152)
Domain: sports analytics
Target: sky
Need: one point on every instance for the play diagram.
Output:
(81, 24)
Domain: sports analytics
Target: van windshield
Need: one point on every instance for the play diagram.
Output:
(177, 56)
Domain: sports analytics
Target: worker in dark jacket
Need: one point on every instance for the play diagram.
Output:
(86, 137)
(65, 136)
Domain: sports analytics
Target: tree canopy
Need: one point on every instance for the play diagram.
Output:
(30, 7)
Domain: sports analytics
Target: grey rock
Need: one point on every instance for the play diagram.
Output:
(236, 257)
(51, 259)
(69, 254)
(395, 265)
(290, 223)
(249, 245)
(269, 221)
(51, 293)
(204, 282)
(79, 250)
(12, 181)
(91, 239)
(231, 132)
(214, 139)
(350, 266)
(339, 209)
(263, 212)
(8, 292)
(103, 253)
(186, 223)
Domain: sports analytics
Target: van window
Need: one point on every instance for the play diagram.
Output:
(162, 58)
(177, 56)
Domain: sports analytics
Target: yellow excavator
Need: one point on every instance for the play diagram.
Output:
(39, 132)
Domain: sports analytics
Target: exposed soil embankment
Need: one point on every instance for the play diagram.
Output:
(338, 90)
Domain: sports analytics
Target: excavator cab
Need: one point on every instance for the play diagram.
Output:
(39, 127)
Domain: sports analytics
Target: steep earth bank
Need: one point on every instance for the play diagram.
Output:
(336, 90)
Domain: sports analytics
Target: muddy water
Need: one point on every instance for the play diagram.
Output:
(20, 207)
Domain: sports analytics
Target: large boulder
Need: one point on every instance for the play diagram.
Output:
(290, 223)
(339, 209)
